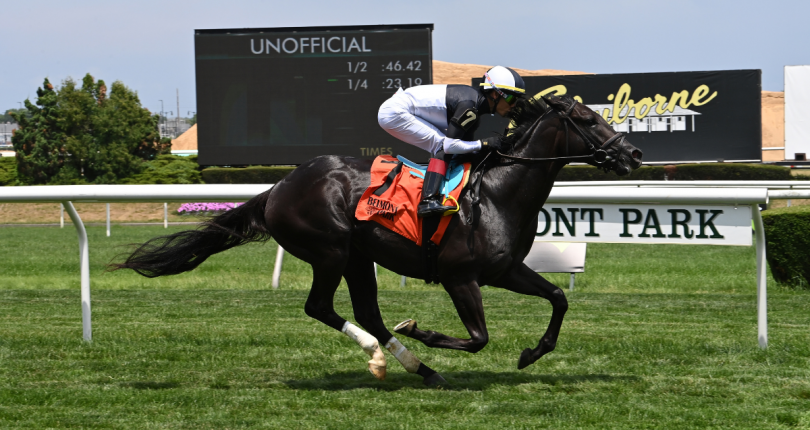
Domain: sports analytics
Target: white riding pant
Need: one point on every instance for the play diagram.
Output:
(419, 116)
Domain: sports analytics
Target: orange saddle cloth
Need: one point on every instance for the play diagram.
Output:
(395, 207)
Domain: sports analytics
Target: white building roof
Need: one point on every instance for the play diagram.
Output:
(6, 127)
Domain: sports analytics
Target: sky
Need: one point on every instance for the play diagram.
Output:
(149, 44)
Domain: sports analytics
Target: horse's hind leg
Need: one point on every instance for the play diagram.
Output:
(326, 275)
(320, 302)
(362, 284)
(308, 214)
(466, 297)
(524, 280)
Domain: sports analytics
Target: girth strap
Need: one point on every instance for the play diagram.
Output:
(389, 180)
(430, 251)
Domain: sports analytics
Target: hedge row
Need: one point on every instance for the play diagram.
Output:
(683, 172)
(8, 170)
(246, 175)
(174, 169)
(590, 173)
(787, 244)
(165, 169)
(730, 172)
(168, 169)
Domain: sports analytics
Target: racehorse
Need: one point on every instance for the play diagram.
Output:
(310, 213)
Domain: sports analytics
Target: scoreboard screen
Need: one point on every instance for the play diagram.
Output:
(285, 95)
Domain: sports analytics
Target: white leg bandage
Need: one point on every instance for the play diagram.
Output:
(370, 345)
(408, 360)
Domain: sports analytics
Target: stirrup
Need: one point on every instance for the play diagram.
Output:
(455, 209)
(432, 207)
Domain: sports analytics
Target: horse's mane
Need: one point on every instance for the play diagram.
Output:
(523, 116)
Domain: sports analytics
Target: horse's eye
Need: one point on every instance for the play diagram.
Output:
(591, 120)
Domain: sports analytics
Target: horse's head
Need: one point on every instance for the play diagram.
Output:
(587, 133)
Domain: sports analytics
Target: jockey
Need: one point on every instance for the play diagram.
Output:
(442, 119)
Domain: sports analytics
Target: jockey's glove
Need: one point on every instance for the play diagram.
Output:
(491, 144)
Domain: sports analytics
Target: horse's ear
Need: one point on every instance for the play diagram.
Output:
(553, 101)
(542, 103)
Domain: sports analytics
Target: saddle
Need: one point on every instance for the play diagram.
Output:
(395, 191)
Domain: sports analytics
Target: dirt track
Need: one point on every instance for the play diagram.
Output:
(46, 213)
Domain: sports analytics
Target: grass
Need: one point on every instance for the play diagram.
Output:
(656, 337)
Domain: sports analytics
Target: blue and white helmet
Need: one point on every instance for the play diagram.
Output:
(503, 80)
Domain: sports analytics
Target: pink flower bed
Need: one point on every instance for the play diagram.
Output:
(204, 208)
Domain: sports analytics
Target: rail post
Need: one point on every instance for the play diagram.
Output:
(762, 286)
(84, 258)
(277, 266)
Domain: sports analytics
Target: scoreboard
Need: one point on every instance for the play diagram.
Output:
(285, 95)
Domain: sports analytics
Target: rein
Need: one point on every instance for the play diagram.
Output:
(598, 155)
(598, 152)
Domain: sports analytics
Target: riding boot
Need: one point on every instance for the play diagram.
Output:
(431, 203)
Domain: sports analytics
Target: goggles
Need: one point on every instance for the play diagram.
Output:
(510, 98)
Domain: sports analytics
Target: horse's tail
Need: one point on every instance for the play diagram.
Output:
(184, 251)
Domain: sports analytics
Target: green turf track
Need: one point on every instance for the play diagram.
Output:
(655, 337)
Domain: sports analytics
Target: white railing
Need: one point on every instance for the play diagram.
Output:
(67, 194)
(771, 185)
(132, 193)
(653, 192)
(659, 195)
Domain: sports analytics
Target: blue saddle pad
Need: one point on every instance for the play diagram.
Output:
(455, 173)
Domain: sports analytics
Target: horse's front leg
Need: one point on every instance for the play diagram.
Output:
(524, 280)
(466, 297)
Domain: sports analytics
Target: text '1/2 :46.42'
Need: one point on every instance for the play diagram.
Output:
(391, 66)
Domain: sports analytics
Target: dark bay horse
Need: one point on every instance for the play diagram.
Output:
(311, 214)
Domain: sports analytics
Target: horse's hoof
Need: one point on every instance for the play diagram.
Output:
(436, 380)
(377, 371)
(377, 364)
(405, 327)
(525, 358)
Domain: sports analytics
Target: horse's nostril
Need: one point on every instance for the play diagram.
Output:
(636, 154)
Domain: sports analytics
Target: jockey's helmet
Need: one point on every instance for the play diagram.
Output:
(505, 81)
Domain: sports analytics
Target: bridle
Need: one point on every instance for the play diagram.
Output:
(598, 153)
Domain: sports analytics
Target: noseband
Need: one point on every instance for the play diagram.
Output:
(598, 152)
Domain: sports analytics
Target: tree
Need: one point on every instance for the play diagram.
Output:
(168, 169)
(103, 139)
(39, 141)
(77, 111)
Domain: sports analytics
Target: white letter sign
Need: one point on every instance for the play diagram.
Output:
(606, 223)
